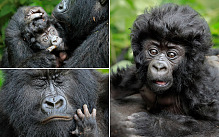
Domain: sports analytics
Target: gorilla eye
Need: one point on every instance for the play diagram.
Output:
(39, 83)
(45, 39)
(153, 52)
(58, 80)
(171, 55)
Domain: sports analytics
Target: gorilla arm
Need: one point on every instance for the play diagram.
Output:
(125, 83)
(17, 47)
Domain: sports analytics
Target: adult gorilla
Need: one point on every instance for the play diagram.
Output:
(86, 25)
(48, 103)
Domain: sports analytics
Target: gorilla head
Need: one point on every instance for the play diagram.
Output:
(41, 31)
(169, 44)
(43, 102)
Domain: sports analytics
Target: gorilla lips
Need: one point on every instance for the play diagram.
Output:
(65, 118)
(161, 83)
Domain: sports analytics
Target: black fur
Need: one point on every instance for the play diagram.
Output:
(86, 23)
(22, 95)
(195, 86)
(22, 49)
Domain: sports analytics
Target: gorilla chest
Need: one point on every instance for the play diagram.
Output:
(157, 103)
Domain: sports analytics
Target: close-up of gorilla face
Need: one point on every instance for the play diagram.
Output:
(47, 36)
(50, 37)
(44, 102)
(162, 58)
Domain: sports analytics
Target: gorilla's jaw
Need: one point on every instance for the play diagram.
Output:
(159, 85)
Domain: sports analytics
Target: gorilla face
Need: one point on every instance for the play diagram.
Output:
(163, 59)
(79, 17)
(50, 37)
(62, 10)
(54, 104)
(43, 102)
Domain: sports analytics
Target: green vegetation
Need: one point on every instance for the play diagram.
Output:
(103, 70)
(1, 78)
(124, 12)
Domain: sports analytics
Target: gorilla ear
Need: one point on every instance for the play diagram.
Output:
(103, 2)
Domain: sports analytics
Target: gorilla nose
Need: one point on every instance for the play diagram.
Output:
(61, 7)
(56, 40)
(54, 103)
(159, 68)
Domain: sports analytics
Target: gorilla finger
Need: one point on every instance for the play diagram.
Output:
(131, 131)
(76, 132)
(94, 112)
(76, 117)
(80, 114)
(86, 111)
(127, 124)
(36, 15)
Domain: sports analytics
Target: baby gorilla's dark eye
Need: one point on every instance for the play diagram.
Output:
(45, 38)
(153, 52)
(171, 55)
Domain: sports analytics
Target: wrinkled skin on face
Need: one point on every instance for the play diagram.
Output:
(50, 37)
(83, 14)
(180, 87)
(44, 102)
(34, 40)
(47, 36)
(163, 59)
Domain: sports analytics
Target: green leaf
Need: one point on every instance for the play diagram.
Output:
(6, 9)
(23, 1)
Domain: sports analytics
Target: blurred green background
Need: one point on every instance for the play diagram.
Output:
(124, 12)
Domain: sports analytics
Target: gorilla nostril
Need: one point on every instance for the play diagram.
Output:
(59, 103)
(163, 68)
(49, 104)
(155, 66)
(60, 6)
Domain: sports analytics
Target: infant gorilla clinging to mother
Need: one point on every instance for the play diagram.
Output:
(178, 84)
(34, 39)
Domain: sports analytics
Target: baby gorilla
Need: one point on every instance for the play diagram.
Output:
(172, 74)
(30, 38)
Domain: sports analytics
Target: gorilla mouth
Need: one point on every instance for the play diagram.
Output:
(52, 118)
(161, 83)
